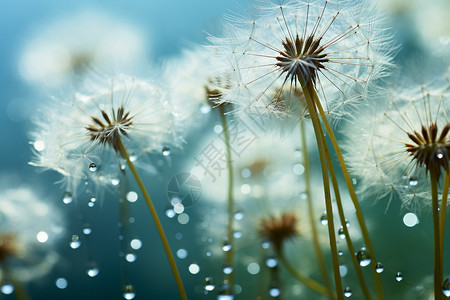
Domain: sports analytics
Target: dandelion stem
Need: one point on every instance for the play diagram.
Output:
(312, 216)
(312, 284)
(443, 212)
(19, 290)
(326, 185)
(352, 193)
(437, 243)
(230, 205)
(162, 235)
(351, 249)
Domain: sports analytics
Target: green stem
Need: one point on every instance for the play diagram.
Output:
(352, 193)
(351, 249)
(162, 235)
(326, 185)
(312, 216)
(437, 243)
(443, 213)
(19, 290)
(230, 202)
(312, 284)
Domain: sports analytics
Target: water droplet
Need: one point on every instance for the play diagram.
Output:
(92, 167)
(271, 262)
(410, 219)
(265, 244)
(246, 172)
(354, 181)
(115, 181)
(7, 288)
(194, 269)
(92, 270)
(237, 234)
(170, 213)
(61, 283)
(348, 292)
(413, 181)
(324, 219)
(130, 256)
(253, 268)
(129, 292)
(208, 283)
(75, 242)
(439, 154)
(227, 269)
(446, 287)
(87, 229)
(183, 218)
(67, 198)
(205, 108)
(298, 169)
(179, 236)
(238, 215)
(42, 237)
(136, 244)
(304, 196)
(341, 233)
(208, 253)
(274, 292)
(399, 276)
(132, 196)
(39, 145)
(343, 270)
(226, 246)
(246, 189)
(182, 253)
(225, 297)
(133, 157)
(340, 253)
(379, 268)
(92, 200)
(166, 151)
(363, 257)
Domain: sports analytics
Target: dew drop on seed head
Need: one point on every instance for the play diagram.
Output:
(413, 181)
(75, 242)
(271, 262)
(92, 270)
(348, 292)
(129, 292)
(379, 268)
(67, 198)
(92, 167)
(166, 151)
(399, 276)
(363, 257)
(323, 219)
(7, 288)
(446, 287)
(341, 233)
(208, 284)
(274, 292)
(226, 246)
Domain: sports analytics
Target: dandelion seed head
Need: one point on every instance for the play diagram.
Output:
(395, 146)
(81, 127)
(279, 230)
(339, 46)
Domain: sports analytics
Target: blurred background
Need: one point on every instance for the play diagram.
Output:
(41, 42)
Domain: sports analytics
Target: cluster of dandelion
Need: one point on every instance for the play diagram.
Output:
(279, 68)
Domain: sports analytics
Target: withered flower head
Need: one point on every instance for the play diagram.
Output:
(430, 150)
(279, 229)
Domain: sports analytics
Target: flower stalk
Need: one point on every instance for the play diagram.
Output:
(123, 151)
